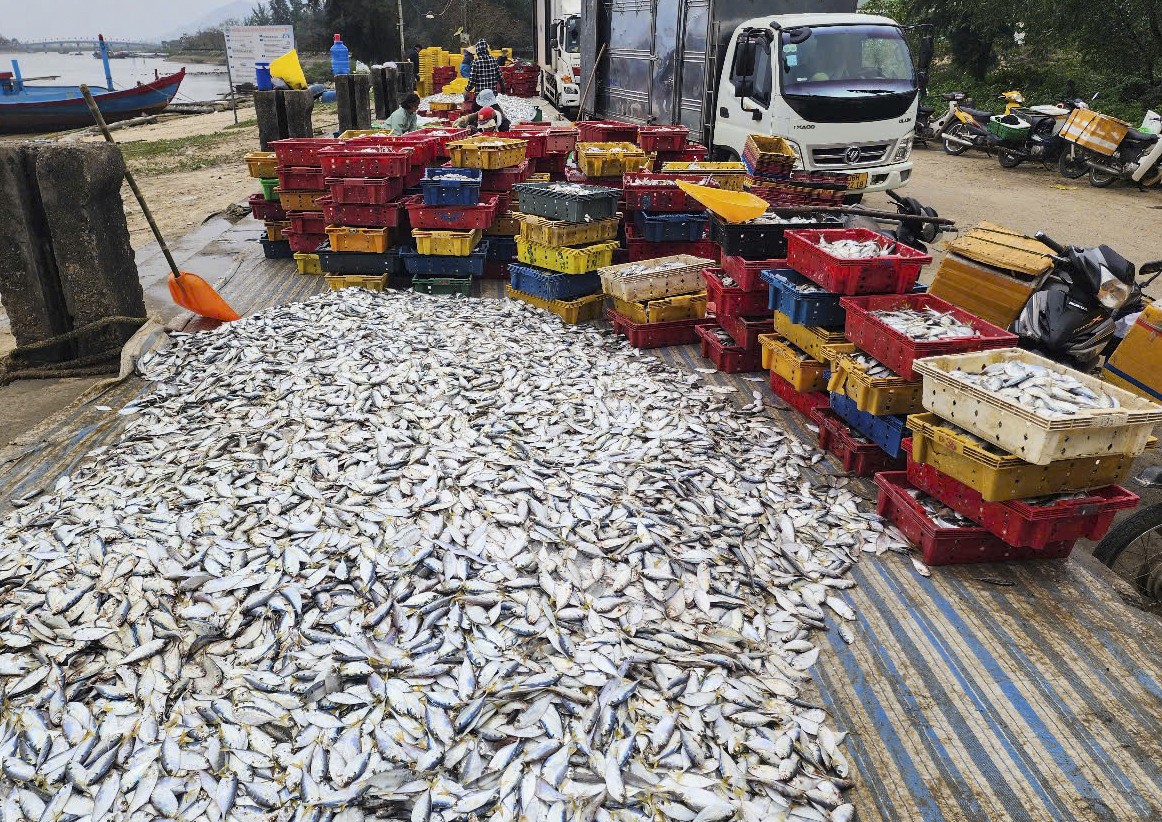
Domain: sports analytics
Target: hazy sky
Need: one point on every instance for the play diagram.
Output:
(48, 19)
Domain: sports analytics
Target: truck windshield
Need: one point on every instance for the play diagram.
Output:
(573, 34)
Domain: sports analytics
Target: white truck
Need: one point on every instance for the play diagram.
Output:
(558, 44)
(839, 85)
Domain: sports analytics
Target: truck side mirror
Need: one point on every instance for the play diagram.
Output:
(742, 72)
(553, 45)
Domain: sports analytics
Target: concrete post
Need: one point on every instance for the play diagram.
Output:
(353, 96)
(283, 113)
(379, 92)
(297, 107)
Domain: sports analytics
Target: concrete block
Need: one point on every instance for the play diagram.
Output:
(297, 106)
(406, 77)
(30, 290)
(271, 118)
(352, 92)
(80, 191)
(379, 83)
(361, 101)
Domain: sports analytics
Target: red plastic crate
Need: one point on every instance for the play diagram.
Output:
(729, 359)
(655, 335)
(366, 160)
(300, 179)
(502, 180)
(264, 209)
(437, 218)
(894, 274)
(734, 302)
(746, 272)
(560, 140)
(301, 151)
(443, 75)
(745, 330)
(495, 270)
(641, 249)
(425, 149)
(309, 222)
(606, 131)
(368, 191)
(947, 546)
(807, 403)
(414, 177)
(662, 138)
(896, 350)
(690, 153)
(503, 202)
(643, 194)
(1023, 525)
(551, 164)
(360, 216)
(860, 458)
(536, 142)
(304, 243)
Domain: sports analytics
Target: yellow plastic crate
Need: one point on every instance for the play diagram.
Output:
(728, 176)
(300, 200)
(610, 159)
(829, 353)
(343, 238)
(487, 153)
(875, 395)
(1000, 476)
(372, 282)
(540, 177)
(565, 260)
(572, 312)
(457, 86)
(437, 106)
(806, 337)
(352, 133)
(559, 233)
(794, 366)
(665, 309)
(308, 263)
(446, 243)
(262, 164)
(275, 229)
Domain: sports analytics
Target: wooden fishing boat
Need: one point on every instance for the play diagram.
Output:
(28, 109)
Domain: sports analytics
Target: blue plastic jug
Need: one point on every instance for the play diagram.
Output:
(340, 57)
(262, 76)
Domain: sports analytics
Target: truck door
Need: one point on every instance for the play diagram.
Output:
(665, 61)
(745, 96)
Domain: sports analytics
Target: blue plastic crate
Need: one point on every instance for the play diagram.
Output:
(446, 186)
(502, 248)
(439, 266)
(887, 431)
(671, 228)
(550, 285)
(819, 309)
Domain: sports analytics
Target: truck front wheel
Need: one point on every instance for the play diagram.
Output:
(852, 199)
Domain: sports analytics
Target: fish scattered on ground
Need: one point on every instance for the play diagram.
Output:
(427, 559)
(1044, 391)
(925, 324)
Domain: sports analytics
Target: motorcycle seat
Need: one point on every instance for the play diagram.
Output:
(925, 110)
(953, 95)
(1141, 137)
(978, 114)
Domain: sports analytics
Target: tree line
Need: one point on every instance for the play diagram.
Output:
(1044, 48)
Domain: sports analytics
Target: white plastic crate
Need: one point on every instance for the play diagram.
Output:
(650, 279)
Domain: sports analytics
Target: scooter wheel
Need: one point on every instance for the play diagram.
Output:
(959, 131)
(1071, 167)
(1009, 159)
(1100, 179)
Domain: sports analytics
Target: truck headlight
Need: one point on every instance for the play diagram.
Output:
(904, 151)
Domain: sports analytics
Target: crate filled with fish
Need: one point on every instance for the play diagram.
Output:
(568, 202)
(725, 175)
(807, 403)
(561, 234)
(658, 193)
(486, 152)
(805, 375)
(854, 261)
(663, 309)
(856, 453)
(640, 249)
(651, 279)
(611, 159)
(943, 536)
(745, 331)
(662, 138)
(727, 297)
(451, 186)
(765, 237)
(888, 431)
(871, 385)
(897, 329)
(360, 215)
(451, 218)
(812, 339)
(572, 312)
(725, 354)
(690, 153)
(366, 160)
(801, 300)
(749, 273)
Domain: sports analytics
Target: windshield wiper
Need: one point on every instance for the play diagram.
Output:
(871, 90)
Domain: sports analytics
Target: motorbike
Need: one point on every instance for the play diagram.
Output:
(1135, 543)
(1137, 159)
(971, 127)
(1072, 316)
(928, 129)
(1042, 142)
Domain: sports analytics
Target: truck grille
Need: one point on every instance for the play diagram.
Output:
(869, 154)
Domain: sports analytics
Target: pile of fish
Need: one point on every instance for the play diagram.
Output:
(572, 189)
(425, 559)
(856, 249)
(925, 324)
(870, 365)
(723, 337)
(807, 287)
(941, 514)
(771, 218)
(1045, 391)
(727, 280)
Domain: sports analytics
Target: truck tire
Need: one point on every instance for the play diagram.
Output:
(852, 199)
(1143, 565)
(725, 154)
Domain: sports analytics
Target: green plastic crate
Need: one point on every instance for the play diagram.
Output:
(268, 186)
(444, 285)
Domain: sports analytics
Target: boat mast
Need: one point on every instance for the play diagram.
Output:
(104, 47)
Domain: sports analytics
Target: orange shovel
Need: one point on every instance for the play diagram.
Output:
(187, 290)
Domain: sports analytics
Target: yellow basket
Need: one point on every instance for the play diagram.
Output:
(999, 476)
(540, 177)
(457, 86)
(558, 233)
(784, 359)
(343, 238)
(875, 395)
(262, 164)
(610, 159)
(829, 353)
(308, 263)
(806, 337)
(565, 260)
(572, 312)
(765, 148)
(372, 282)
(665, 309)
(275, 229)
(728, 176)
(446, 243)
(488, 153)
(435, 106)
(504, 226)
(300, 200)
(352, 133)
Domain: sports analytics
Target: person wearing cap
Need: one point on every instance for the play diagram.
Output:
(403, 120)
(489, 117)
(466, 61)
(485, 72)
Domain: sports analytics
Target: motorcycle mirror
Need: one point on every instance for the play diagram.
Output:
(1154, 267)
(1095, 94)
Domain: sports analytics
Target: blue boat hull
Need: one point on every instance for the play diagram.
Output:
(59, 108)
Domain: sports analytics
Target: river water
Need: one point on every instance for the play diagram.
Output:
(203, 82)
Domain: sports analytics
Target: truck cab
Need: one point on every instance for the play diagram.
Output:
(559, 52)
(840, 87)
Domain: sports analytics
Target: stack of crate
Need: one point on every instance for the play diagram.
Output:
(662, 220)
(989, 478)
(659, 302)
(430, 59)
(670, 144)
(520, 78)
(300, 186)
(567, 232)
(559, 141)
(265, 206)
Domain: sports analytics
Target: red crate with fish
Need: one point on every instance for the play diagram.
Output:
(807, 403)
(729, 358)
(655, 335)
(733, 300)
(859, 456)
(878, 265)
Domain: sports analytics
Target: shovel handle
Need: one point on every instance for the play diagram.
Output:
(96, 112)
